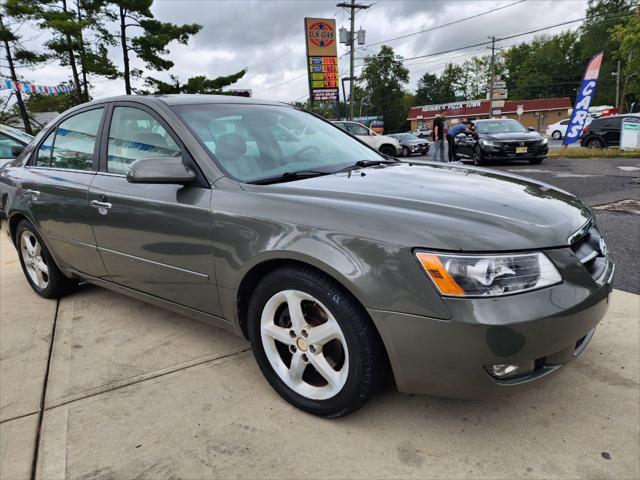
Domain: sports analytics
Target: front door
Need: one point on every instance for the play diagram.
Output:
(153, 238)
(56, 184)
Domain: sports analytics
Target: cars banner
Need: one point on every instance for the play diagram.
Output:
(583, 100)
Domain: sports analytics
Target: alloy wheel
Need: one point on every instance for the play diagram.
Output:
(556, 135)
(34, 261)
(304, 344)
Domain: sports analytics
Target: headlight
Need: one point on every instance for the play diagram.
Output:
(544, 141)
(488, 275)
(487, 143)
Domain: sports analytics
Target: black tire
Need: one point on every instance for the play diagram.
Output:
(595, 142)
(388, 150)
(57, 285)
(366, 366)
(478, 158)
(536, 161)
(557, 135)
(405, 152)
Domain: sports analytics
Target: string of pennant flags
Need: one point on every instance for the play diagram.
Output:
(25, 87)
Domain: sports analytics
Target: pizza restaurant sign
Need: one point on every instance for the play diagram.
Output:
(452, 106)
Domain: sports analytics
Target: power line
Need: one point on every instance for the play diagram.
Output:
(447, 24)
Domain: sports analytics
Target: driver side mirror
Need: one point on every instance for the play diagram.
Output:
(160, 170)
(531, 129)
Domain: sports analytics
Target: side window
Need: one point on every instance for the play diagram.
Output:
(356, 129)
(75, 141)
(564, 122)
(6, 145)
(43, 159)
(134, 134)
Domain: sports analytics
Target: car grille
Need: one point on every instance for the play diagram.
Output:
(533, 146)
(591, 250)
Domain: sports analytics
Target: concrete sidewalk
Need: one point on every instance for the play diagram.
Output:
(137, 392)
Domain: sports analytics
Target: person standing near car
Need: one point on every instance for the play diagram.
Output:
(438, 138)
(466, 127)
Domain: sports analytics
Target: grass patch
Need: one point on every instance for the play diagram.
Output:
(592, 153)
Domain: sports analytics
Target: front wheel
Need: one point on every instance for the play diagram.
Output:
(478, 159)
(556, 135)
(43, 275)
(595, 142)
(313, 342)
(405, 152)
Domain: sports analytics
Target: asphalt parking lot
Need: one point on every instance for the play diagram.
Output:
(100, 386)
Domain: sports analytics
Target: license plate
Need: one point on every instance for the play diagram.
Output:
(521, 149)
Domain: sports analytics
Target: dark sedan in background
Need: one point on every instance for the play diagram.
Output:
(335, 261)
(501, 140)
(411, 144)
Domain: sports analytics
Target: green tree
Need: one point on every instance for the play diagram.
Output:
(596, 34)
(16, 56)
(628, 37)
(150, 45)
(382, 79)
(198, 84)
(50, 103)
(426, 91)
(450, 84)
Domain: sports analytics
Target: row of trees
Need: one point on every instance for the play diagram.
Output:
(80, 34)
(548, 66)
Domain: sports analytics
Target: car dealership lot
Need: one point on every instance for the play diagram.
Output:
(136, 391)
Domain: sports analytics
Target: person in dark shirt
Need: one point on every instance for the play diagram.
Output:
(466, 128)
(438, 137)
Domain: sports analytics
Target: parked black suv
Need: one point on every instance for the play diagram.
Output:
(604, 132)
(501, 139)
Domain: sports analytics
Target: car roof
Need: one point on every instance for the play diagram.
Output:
(186, 99)
(483, 120)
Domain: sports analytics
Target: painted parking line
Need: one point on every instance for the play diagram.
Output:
(629, 169)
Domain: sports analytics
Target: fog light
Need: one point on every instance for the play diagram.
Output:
(504, 370)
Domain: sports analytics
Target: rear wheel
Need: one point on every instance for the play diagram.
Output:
(38, 266)
(388, 150)
(313, 342)
(478, 158)
(595, 142)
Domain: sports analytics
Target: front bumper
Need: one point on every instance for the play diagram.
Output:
(546, 328)
(508, 153)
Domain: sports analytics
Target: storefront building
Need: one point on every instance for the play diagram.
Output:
(531, 113)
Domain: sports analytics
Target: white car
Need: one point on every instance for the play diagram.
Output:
(383, 143)
(558, 130)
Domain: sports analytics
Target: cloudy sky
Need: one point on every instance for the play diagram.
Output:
(267, 37)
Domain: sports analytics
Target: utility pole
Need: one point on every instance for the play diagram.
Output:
(354, 7)
(14, 77)
(493, 75)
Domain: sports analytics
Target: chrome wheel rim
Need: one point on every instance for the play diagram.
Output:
(304, 344)
(34, 261)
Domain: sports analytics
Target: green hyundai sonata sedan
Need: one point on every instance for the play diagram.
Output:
(343, 267)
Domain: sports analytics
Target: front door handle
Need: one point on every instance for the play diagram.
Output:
(34, 194)
(99, 205)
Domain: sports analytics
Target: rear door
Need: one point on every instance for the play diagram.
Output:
(56, 183)
(153, 238)
(612, 127)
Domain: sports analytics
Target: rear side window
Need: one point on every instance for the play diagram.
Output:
(43, 159)
(564, 122)
(75, 141)
(6, 146)
(356, 129)
(134, 134)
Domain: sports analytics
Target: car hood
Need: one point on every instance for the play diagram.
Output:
(434, 206)
(511, 136)
(419, 141)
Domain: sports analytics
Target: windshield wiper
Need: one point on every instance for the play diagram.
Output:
(366, 163)
(288, 176)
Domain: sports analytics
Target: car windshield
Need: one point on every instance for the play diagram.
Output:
(257, 142)
(500, 126)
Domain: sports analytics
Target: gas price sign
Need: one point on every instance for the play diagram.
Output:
(322, 55)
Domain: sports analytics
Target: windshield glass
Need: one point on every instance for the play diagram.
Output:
(18, 134)
(500, 126)
(257, 142)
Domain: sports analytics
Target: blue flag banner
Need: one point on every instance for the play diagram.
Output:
(25, 87)
(583, 100)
